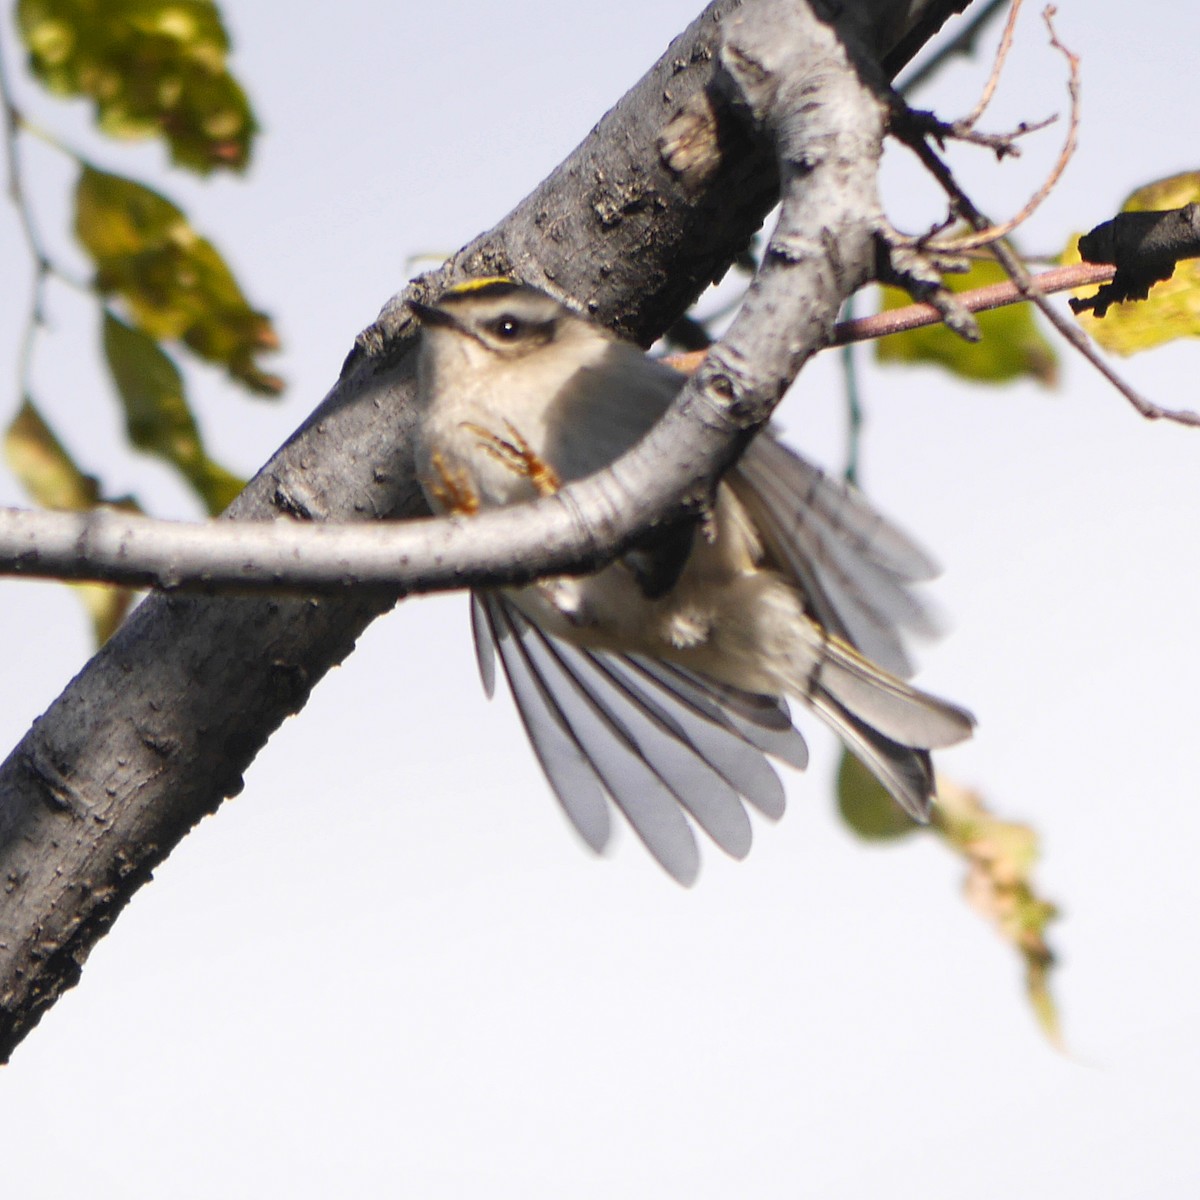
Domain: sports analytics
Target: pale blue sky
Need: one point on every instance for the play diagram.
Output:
(388, 967)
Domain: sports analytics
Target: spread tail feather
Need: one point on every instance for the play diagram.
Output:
(906, 773)
(875, 699)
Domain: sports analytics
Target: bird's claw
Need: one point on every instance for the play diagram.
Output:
(453, 489)
(518, 456)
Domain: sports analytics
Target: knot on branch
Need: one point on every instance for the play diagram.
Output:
(725, 388)
(690, 145)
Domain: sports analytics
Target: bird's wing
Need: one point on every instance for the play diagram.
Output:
(655, 739)
(853, 567)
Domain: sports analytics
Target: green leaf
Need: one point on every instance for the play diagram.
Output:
(1012, 346)
(1172, 310)
(156, 412)
(151, 67)
(173, 281)
(866, 807)
(51, 478)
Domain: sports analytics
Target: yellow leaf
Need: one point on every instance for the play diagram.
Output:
(1012, 346)
(37, 458)
(1172, 309)
(46, 471)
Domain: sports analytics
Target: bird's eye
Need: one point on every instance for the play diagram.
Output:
(507, 327)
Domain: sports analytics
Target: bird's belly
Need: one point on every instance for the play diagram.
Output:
(471, 456)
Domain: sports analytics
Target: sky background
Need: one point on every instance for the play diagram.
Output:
(388, 966)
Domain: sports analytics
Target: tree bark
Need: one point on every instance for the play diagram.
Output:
(160, 725)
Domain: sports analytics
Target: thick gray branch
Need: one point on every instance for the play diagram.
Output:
(571, 533)
(161, 724)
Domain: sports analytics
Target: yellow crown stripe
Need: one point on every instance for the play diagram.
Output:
(469, 286)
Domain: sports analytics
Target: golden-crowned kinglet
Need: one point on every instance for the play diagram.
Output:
(660, 680)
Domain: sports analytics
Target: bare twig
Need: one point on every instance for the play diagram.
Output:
(992, 233)
(1002, 145)
(19, 195)
(292, 557)
(45, 268)
(963, 43)
(1077, 338)
(993, 80)
(996, 295)
(916, 316)
(855, 412)
(1030, 289)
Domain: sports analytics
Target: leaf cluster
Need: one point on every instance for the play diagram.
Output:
(151, 68)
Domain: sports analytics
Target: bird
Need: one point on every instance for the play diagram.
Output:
(661, 683)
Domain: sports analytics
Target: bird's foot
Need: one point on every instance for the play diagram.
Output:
(453, 489)
(518, 456)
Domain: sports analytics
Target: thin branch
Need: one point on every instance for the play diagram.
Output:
(1002, 145)
(18, 193)
(45, 267)
(291, 557)
(916, 316)
(992, 233)
(1030, 289)
(962, 44)
(983, 299)
(1081, 342)
(855, 413)
(993, 80)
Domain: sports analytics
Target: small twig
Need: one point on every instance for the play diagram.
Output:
(36, 318)
(983, 299)
(53, 140)
(992, 233)
(988, 234)
(989, 88)
(44, 266)
(917, 316)
(1077, 338)
(17, 123)
(963, 43)
(13, 123)
(1031, 290)
(855, 417)
(1002, 145)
